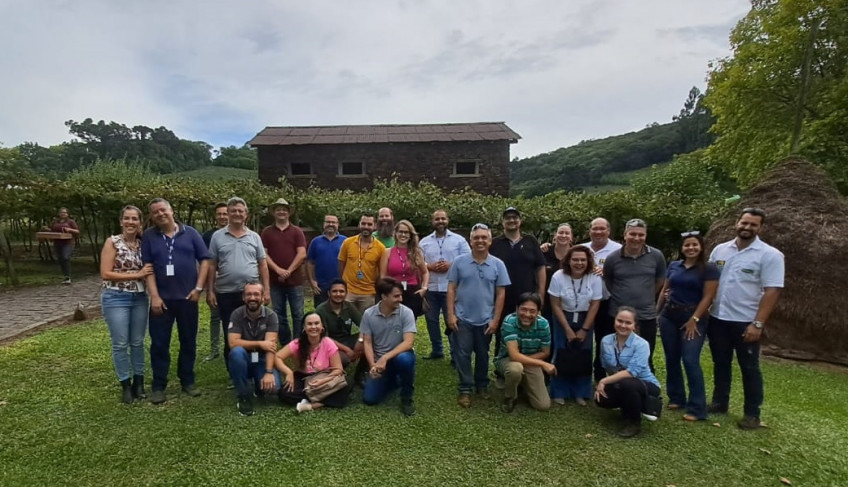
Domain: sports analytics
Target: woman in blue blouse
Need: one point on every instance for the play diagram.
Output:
(624, 355)
(689, 289)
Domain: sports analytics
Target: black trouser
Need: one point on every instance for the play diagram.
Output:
(603, 327)
(629, 395)
(647, 329)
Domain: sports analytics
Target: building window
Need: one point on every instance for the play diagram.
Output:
(352, 169)
(466, 169)
(300, 169)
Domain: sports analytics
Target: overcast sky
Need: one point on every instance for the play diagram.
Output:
(556, 71)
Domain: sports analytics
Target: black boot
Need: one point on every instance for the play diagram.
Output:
(138, 391)
(126, 392)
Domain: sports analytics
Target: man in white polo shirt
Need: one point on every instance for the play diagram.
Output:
(748, 290)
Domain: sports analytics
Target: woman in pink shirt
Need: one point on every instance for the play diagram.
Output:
(405, 263)
(313, 352)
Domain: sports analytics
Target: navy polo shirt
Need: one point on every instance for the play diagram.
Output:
(324, 253)
(188, 250)
(687, 285)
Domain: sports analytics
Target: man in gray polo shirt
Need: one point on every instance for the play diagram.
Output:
(634, 275)
(237, 257)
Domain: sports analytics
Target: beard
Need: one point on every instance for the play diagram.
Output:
(385, 229)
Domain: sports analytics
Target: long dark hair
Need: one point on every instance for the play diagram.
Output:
(701, 260)
(565, 263)
(303, 344)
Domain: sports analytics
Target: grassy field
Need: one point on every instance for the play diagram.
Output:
(62, 424)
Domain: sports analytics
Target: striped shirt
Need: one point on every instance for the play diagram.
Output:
(530, 340)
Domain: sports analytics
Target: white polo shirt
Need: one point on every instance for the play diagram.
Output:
(744, 274)
(447, 249)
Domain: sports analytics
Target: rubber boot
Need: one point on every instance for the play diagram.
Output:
(138, 391)
(126, 392)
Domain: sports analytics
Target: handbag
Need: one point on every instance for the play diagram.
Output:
(573, 360)
(653, 405)
(317, 387)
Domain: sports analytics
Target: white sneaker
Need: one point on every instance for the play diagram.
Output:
(303, 405)
(649, 417)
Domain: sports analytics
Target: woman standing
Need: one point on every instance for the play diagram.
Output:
(64, 247)
(575, 294)
(313, 352)
(124, 301)
(629, 380)
(689, 289)
(405, 263)
(554, 254)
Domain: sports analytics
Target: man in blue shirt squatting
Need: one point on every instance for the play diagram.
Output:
(476, 289)
(180, 264)
(748, 290)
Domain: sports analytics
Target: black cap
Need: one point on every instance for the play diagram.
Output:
(512, 209)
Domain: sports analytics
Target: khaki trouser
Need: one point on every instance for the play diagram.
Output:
(360, 301)
(530, 377)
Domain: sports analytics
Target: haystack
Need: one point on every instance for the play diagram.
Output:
(808, 222)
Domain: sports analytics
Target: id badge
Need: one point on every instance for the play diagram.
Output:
(403, 284)
(360, 275)
(169, 270)
(576, 316)
(254, 357)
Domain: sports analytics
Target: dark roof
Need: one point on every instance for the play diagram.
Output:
(368, 134)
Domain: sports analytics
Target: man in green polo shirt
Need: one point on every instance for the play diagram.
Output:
(526, 340)
(341, 321)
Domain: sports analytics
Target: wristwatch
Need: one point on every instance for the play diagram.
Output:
(360, 340)
(199, 289)
(758, 324)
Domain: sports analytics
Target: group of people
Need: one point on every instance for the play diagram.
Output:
(545, 306)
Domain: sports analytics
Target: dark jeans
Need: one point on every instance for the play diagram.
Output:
(293, 295)
(161, 326)
(323, 296)
(438, 305)
(629, 395)
(472, 339)
(400, 372)
(242, 371)
(725, 338)
(647, 329)
(603, 327)
(63, 255)
(227, 303)
(677, 348)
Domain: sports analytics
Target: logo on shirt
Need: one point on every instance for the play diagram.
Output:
(747, 271)
(231, 325)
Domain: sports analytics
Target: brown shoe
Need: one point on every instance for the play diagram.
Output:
(672, 406)
(689, 417)
(464, 400)
(749, 423)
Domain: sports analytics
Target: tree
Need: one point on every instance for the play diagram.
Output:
(243, 157)
(784, 90)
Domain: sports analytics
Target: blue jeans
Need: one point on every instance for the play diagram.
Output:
(400, 371)
(294, 296)
(472, 339)
(126, 316)
(63, 255)
(725, 338)
(438, 305)
(161, 328)
(678, 348)
(241, 371)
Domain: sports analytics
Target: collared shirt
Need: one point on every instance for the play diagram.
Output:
(575, 294)
(632, 281)
(237, 259)
(324, 254)
(253, 331)
(686, 286)
(282, 246)
(530, 340)
(602, 254)
(342, 327)
(633, 357)
(744, 275)
(446, 249)
(387, 331)
(522, 259)
(475, 287)
(184, 251)
(361, 264)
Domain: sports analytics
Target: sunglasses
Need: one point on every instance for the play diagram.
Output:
(479, 226)
(691, 233)
(636, 222)
(754, 211)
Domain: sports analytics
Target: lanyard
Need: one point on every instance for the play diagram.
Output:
(618, 355)
(441, 244)
(169, 243)
(403, 263)
(359, 242)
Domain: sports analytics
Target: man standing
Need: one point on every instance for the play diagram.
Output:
(748, 290)
(388, 333)
(341, 321)
(440, 249)
(385, 227)
(359, 264)
(322, 259)
(237, 257)
(634, 274)
(221, 220)
(252, 335)
(475, 299)
(602, 247)
(524, 261)
(286, 248)
(180, 264)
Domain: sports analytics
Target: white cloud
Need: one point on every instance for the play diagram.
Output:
(557, 72)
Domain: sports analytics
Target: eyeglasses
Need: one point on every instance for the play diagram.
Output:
(754, 211)
(402, 232)
(479, 226)
(636, 222)
(691, 233)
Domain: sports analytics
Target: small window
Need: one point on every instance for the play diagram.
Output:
(300, 169)
(351, 169)
(466, 168)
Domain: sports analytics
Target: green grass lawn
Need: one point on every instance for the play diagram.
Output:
(62, 424)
